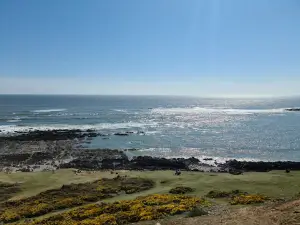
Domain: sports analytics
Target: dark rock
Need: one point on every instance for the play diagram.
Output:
(208, 159)
(131, 149)
(92, 135)
(121, 134)
(293, 109)
(90, 130)
(148, 162)
(48, 135)
(26, 158)
(98, 159)
(192, 160)
(260, 166)
(25, 169)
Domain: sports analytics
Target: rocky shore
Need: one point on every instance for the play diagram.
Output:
(51, 150)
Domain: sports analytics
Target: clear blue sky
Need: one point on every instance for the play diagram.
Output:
(183, 47)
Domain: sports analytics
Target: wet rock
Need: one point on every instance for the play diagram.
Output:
(131, 149)
(293, 109)
(150, 163)
(45, 135)
(92, 135)
(261, 166)
(191, 160)
(90, 130)
(25, 169)
(121, 134)
(49, 135)
(208, 159)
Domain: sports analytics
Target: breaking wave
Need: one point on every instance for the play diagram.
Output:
(48, 110)
(8, 129)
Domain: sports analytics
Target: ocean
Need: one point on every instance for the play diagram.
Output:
(221, 128)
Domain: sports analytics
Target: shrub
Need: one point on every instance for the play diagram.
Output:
(9, 216)
(197, 212)
(218, 194)
(165, 181)
(8, 190)
(122, 212)
(69, 196)
(224, 194)
(180, 190)
(248, 199)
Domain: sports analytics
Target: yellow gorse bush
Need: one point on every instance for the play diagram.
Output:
(69, 196)
(248, 199)
(128, 211)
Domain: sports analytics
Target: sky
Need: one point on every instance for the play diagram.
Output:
(150, 47)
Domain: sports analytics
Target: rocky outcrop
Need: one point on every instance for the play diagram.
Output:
(260, 166)
(293, 109)
(121, 134)
(49, 135)
(26, 158)
(97, 159)
(150, 163)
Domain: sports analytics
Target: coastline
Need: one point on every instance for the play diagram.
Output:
(54, 149)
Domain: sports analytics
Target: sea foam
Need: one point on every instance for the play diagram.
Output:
(8, 129)
(48, 110)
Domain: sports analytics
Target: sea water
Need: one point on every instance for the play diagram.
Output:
(221, 128)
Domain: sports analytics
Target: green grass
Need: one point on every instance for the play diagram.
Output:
(275, 184)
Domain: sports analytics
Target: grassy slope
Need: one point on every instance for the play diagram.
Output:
(274, 184)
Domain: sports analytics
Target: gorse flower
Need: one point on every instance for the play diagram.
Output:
(128, 211)
(69, 196)
(248, 199)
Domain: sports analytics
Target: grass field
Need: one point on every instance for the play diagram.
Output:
(276, 184)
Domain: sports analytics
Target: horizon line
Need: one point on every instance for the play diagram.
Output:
(153, 95)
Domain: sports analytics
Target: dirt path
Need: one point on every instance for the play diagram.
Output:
(275, 214)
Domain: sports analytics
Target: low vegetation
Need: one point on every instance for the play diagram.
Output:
(248, 199)
(238, 197)
(8, 190)
(197, 212)
(69, 196)
(59, 191)
(128, 211)
(224, 194)
(181, 190)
